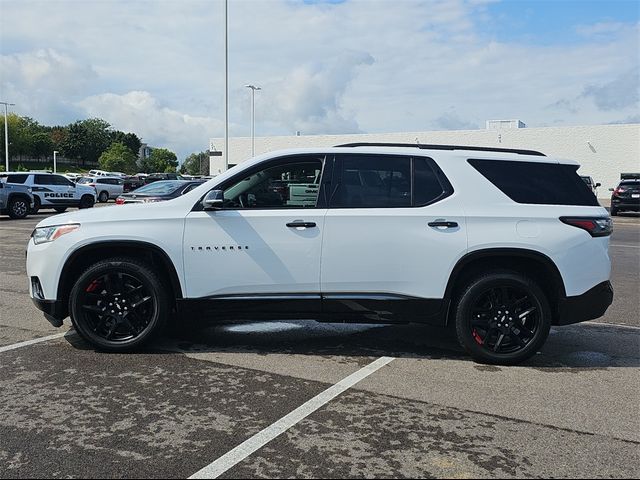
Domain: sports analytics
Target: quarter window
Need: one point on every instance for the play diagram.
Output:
(289, 185)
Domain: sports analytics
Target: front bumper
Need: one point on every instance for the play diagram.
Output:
(53, 310)
(588, 306)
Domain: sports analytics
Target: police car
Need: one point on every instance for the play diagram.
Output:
(55, 191)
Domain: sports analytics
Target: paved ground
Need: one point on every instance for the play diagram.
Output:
(572, 411)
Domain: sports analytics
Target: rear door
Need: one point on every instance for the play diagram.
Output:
(393, 232)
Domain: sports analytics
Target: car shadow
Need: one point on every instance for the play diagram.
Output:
(570, 348)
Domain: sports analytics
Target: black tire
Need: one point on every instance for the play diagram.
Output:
(60, 209)
(119, 304)
(502, 318)
(18, 208)
(614, 212)
(103, 197)
(87, 201)
(36, 205)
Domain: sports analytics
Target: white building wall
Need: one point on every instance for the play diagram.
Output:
(603, 151)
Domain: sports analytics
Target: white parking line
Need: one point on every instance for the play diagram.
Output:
(246, 448)
(618, 245)
(6, 348)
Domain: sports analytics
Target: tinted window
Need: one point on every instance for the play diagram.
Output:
(85, 180)
(537, 183)
(290, 185)
(629, 183)
(429, 183)
(162, 187)
(373, 181)
(19, 178)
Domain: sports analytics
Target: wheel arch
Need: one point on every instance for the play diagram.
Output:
(531, 263)
(86, 255)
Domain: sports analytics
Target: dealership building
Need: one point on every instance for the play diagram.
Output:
(603, 151)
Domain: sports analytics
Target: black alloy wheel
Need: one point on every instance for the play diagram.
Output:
(118, 304)
(103, 197)
(502, 318)
(18, 208)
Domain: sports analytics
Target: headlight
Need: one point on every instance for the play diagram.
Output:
(49, 234)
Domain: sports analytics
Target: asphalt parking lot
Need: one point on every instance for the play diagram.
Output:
(413, 405)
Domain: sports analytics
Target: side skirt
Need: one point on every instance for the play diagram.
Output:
(328, 307)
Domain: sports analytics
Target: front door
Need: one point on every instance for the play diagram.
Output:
(263, 247)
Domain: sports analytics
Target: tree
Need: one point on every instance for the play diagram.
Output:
(118, 158)
(160, 160)
(196, 164)
(130, 140)
(86, 140)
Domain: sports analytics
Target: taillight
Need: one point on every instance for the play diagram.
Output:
(119, 201)
(596, 226)
(618, 191)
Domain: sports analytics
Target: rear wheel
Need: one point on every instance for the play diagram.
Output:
(502, 318)
(18, 208)
(103, 197)
(119, 304)
(614, 211)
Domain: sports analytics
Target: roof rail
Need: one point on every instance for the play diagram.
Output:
(444, 147)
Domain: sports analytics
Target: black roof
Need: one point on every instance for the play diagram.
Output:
(444, 147)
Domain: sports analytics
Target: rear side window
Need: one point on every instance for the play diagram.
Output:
(429, 183)
(373, 181)
(537, 183)
(19, 178)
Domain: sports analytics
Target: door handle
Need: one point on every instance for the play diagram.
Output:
(299, 223)
(442, 223)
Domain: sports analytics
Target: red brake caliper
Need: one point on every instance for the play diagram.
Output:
(92, 286)
(476, 337)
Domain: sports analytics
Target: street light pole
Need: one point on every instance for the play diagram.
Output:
(226, 85)
(253, 118)
(6, 135)
(55, 152)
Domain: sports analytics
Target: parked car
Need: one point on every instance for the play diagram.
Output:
(492, 242)
(591, 184)
(158, 191)
(106, 187)
(15, 200)
(51, 190)
(154, 177)
(626, 196)
(74, 177)
(132, 183)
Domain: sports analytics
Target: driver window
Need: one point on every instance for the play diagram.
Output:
(291, 185)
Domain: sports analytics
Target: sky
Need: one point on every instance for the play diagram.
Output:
(156, 68)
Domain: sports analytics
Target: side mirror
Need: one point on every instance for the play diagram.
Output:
(214, 200)
(598, 184)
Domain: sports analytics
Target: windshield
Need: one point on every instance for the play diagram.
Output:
(85, 180)
(163, 187)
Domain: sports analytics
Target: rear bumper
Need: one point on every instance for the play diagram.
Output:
(626, 203)
(588, 306)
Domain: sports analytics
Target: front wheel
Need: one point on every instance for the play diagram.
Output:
(119, 304)
(502, 318)
(87, 201)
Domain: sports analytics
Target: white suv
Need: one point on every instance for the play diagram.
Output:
(51, 190)
(106, 187)
(500, 244)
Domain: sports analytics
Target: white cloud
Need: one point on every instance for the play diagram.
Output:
(159, 126)
(156, 68)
